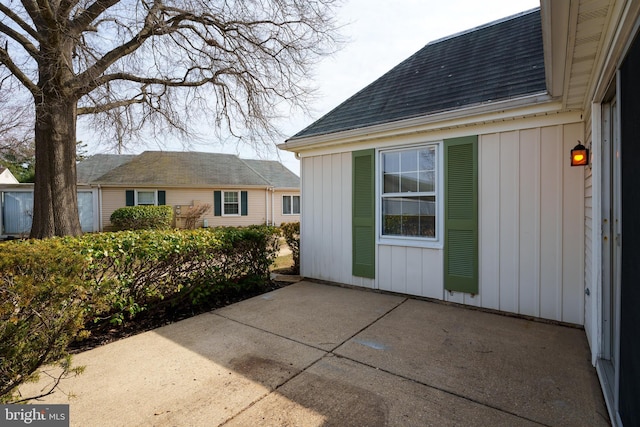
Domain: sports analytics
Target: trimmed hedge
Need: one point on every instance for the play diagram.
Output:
(142, 218)
(49, 289)
(44, 303)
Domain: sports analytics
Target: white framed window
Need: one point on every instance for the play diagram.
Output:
(410, 191)
(230, 203)
(290, 205)
(146, 198)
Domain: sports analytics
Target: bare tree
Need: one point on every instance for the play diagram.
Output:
(153, 66)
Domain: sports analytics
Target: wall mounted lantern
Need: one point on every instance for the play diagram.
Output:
(579, 155)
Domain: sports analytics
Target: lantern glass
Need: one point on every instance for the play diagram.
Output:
(579, 155)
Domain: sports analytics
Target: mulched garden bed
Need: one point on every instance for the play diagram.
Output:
(102, 333)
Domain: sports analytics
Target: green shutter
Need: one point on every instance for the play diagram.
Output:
(244, 208)
(217, 203)
(162, 197)
(130, 198)
(461, 215)
(363, 213)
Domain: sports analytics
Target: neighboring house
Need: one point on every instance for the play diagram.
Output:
(449, 178)
(240, 192)
(6, 177)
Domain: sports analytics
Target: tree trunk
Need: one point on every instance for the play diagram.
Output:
(55, 199)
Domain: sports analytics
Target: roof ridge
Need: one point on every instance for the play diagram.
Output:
(255, 171)
(483, 26)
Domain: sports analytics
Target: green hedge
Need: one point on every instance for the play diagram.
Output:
(291, 233)
(50, 288)
(142, 218)
(44, 302)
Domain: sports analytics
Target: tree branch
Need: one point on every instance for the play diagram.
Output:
(14, 69)
(19, 38)
(82, 21)
(15, 18)
(109, 106)
(87, 80)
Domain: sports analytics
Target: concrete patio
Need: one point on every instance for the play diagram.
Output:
(320, 355)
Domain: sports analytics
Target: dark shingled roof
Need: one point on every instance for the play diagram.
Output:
(192, 169)
(498, 61)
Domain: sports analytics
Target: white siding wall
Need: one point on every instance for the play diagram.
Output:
(589, 313)
(325, 228)
(531, 224)
(531, 228)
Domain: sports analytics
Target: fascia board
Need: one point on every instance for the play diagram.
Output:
(505, 110)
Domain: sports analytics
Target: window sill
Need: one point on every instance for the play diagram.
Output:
(413, 243)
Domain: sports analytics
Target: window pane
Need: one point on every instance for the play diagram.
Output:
(296, 204)
(408, 161)
(391, 217)
(427, 181)
(426, 159)
(146, 197)
(409, 182)
(409, 216)
(231, 197)
(286, 205)
(391, 183)
(231, 209)
(391, 162)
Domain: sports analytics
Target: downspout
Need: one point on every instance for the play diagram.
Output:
(273, 217)
(266, 205)
(100, 208)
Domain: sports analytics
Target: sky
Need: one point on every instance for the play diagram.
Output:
(380, 34)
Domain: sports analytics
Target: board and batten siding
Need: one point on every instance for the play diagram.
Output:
(325, 227)
(531, 228)
(531, 210)
(114, 198)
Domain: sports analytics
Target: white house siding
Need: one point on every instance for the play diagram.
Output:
(114, 198)
(589, 314)
(531, 228)
(325, 227)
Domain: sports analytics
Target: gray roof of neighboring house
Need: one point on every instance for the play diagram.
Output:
(92, 168)
(498, 61)
(274, 172)
(193, 169)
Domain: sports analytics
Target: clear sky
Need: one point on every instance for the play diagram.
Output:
(380, 34)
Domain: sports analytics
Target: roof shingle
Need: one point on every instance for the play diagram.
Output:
(498, 61)
(193, 169)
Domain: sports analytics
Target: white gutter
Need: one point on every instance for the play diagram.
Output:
(531, 105)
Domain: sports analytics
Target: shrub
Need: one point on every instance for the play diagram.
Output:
(291, 233)
(140, 267)
(194, 213)
(44, 302)
(142, 217)
(50, 289)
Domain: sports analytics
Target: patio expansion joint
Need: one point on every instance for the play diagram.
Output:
(331, 353)
(326, 353)
(435, 387)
